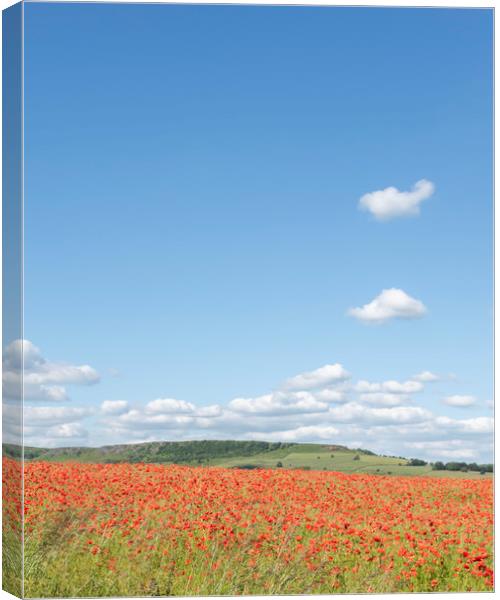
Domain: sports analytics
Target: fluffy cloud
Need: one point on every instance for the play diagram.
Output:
(114, 407)
(42, 379)
(319, 405)
(426, 377)
(390, 203)
(329, 394)
(167, 415)
(279, 403)
(68, 431)
(447, 449)
(381, 421)
(42, 416)
(381, 399)
(391, 387)
(354, 412)
(459, 400)
(169, 406)
(392, 303)
(474, 425)
(303, 434)
(68, 434)
(321, 377)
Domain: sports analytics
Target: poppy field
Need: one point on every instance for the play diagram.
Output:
(144, 529)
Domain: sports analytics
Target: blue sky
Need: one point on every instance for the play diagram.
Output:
(193, 225)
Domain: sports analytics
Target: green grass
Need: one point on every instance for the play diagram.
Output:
(316, 457)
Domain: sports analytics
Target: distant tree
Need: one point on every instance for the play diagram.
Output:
(455, 466)
(364, 451)
(279, 464)
(332, 456)
(416, 462)
(438, 466)
(486, 468)
(356, 457)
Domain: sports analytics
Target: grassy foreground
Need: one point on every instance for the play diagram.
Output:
(114, 530)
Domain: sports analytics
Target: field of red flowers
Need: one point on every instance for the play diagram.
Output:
(111, 530)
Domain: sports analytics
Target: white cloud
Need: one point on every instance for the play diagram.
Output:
(213, 410)
(42, 379)
(306, 433)
(382, 399)
(67, 430)
(474, 425)
(426, 377)
(41, 416)
(52, 393)
(390, 203)
(279, 403)
(355, 412)
(321, 377)
(114, 407)
(392, 303)
(448, 449)
(319, 405)
(45, 426)
(459, 400)
(378, 421)
(391, 387)
(169, 406)
(330, 395)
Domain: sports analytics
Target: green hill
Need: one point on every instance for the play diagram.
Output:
(191, 453)
(247, 455)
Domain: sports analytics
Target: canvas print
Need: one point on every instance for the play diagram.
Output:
(248, 300)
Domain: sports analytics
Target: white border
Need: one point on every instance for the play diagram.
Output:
(366, 3)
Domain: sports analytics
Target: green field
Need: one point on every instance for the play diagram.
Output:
(317, 457)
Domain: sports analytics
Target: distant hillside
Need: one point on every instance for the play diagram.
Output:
(192, 452)
(255, 455)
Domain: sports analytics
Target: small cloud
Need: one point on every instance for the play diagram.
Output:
(114, 407)
(426, 377)
(321, 377)
(392, 303)
(390, 203)
(458, 400)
